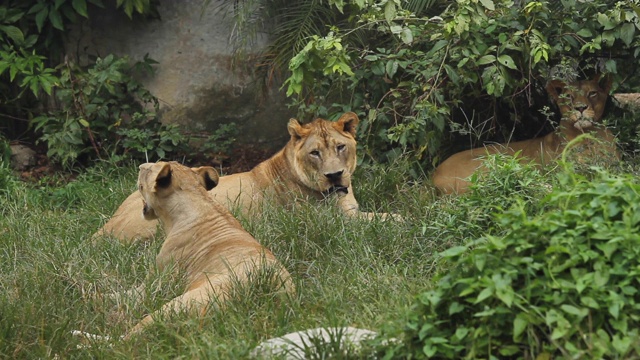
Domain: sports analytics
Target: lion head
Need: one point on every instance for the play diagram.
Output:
(162, 179)
(581, 102)
(323, 153)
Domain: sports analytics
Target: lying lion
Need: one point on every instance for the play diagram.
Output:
(317, 162)
(581, 105)
(208, 245)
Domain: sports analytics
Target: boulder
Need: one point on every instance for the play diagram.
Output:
(22, 157)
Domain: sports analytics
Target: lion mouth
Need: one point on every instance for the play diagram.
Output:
(336, 189)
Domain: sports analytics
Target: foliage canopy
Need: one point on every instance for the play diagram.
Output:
(478, 68)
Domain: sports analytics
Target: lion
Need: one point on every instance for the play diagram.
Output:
(316, 163)
(581, 105)
(204, 240)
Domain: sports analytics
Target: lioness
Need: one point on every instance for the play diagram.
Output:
(206, 242)
(581, 105)
(317, 162)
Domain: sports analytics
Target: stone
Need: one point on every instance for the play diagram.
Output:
(22, 157)
(295, 345)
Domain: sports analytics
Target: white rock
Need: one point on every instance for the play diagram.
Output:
(292, 346)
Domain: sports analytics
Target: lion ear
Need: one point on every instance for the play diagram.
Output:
(295, 129)
(605, 82)
(164, 176)
(207, 176)
(555, 88)
(348, 122)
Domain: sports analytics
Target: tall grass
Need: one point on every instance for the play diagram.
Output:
(348, 272)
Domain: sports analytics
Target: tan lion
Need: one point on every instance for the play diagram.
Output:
(208, 245)
(581, 105)
(316, 163)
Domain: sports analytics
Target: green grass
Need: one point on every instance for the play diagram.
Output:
(348, 272)
(55, 279)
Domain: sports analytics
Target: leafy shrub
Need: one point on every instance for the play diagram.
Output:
(32, 36)
(102, 108)
(6, 174)
(220, 141)
(562, 284)
(478, 66)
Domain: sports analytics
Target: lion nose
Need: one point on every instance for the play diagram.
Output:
(581, 107)
(334, 176)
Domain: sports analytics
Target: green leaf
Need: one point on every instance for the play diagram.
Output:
(585, 33)
(13, 71)
(487, 59)
(461, 333)
(488, 4)
(627, 31)
(406, 36)
(395, 29)
(34, 85)
(570, 309)
(621, 344)
(439, 45)
(98, 3)
(614, 310)
(84, 122)
(453, 251)
(455, 308)
(13, 32)
(590, 302)
(41, 16)
(392, 67)
(80, 6)
(507, 61)
(485, 293)
(390, 11)
(4, 65)
(56, 20)
(520, 324)
(558, 332)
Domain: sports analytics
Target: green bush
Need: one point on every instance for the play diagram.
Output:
(478, 67)
(33, 69)
(103, 110)
(562, 284)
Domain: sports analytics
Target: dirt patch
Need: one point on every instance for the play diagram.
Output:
(242, 158)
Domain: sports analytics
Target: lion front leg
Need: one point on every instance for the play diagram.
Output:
(349, 205)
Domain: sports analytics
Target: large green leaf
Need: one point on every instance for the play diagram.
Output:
(80, 6)
(13, 32)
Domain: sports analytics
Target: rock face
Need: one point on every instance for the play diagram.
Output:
(198, 82)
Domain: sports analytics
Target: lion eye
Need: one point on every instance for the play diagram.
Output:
(315, 153)
(341, 147)
(140, 187)
(593, 93)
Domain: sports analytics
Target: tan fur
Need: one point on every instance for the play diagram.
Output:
(581, 105)
(318, 161)
(206, 242)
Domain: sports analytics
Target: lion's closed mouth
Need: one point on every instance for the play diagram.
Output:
(336, 189)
